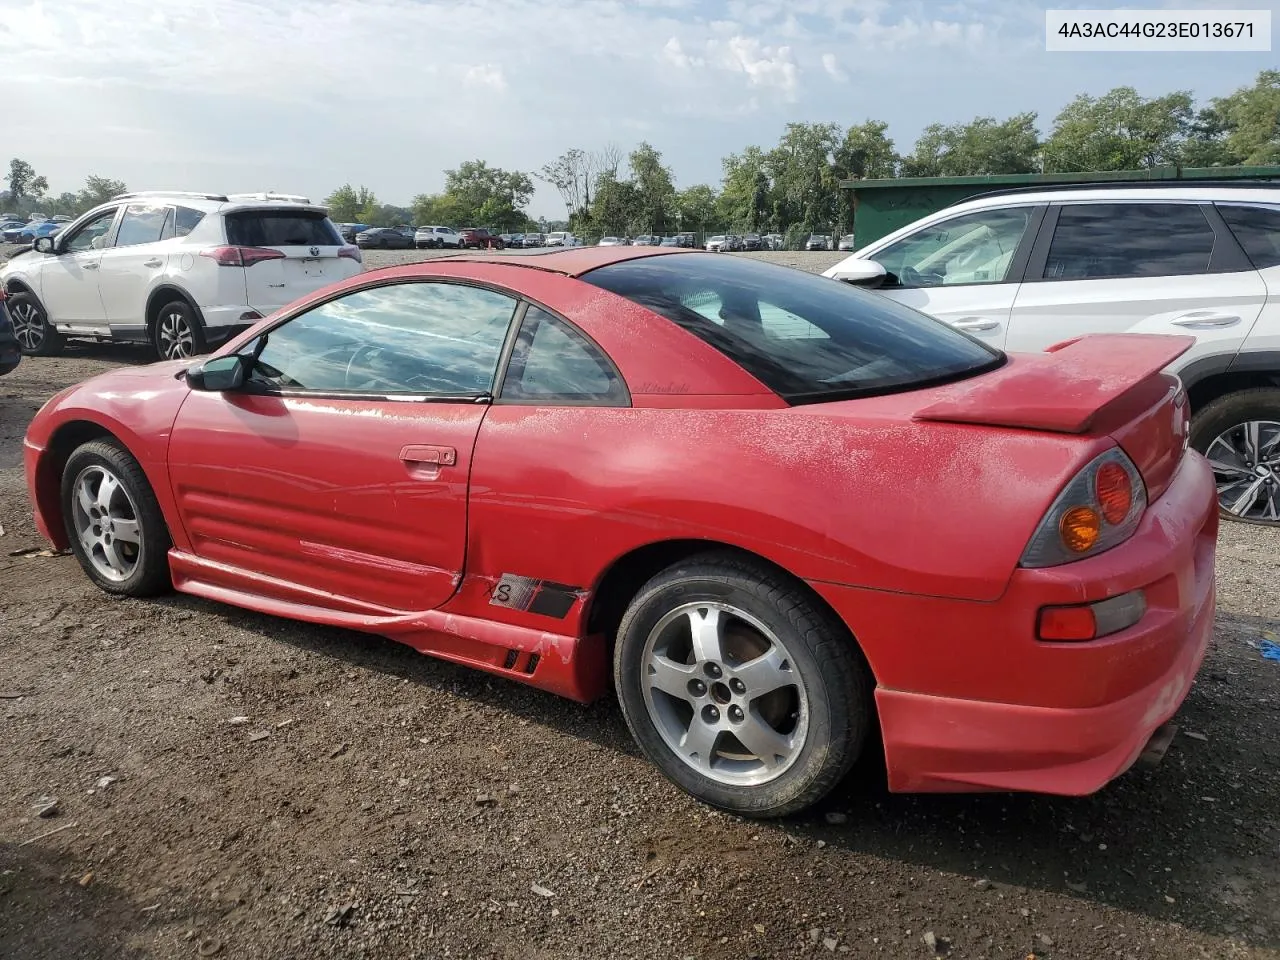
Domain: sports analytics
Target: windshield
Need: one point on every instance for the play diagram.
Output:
(808, 338)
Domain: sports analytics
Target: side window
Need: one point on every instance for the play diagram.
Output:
(553, 363)
(971, 248)
(93, 235)
(1258, 230)
(141, 224)
(1124, 240)
(405, 338)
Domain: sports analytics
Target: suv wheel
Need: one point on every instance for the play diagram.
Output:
(36, 337)
(1240, 436)
(177, 333)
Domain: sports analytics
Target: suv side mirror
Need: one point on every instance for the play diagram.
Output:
(218, 374)
(43, 245)
(862, 273)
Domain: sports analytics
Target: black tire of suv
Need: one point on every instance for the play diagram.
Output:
(838, 681)
(51, 341)
(1219, 416)
(189, 318)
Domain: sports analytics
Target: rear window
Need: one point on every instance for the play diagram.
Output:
(808, 338)
(1258, 230)
(281, 228)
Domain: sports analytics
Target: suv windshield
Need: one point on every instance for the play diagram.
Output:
(806, 337)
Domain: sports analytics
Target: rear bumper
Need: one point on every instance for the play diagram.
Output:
(969, 700)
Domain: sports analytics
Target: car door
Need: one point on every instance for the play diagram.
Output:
(69, 281)
(964, 269)
(341, 467)
(133, 261)
(1257, 228)
(1137, 266)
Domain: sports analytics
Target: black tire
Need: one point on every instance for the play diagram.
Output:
(150, 575)
(36, 337)
(825, 656)
(177, 332)
(1230, 410)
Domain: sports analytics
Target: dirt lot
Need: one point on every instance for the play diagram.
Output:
(377, 803)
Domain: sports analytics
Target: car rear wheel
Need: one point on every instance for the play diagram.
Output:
(177, 334)
(739, 687)
(113, 521)
(36, 336)
(1240, 436)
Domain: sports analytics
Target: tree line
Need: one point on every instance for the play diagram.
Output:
(793, 187)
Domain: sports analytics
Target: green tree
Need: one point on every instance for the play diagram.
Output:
(570, 175)
(1120, 130)
(98, 190)
(982, 146)
(617, 207)
(348, 204)
(867, 152)
(23, 181)
(741, 205)
(1243, 128)
(654, 189)
(489, 196)
(696, 207)
(804, 175)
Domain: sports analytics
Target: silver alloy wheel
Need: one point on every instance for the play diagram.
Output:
(1246, 465)
(723, 693)
(106, 523)
(177, 341)
(27, 325)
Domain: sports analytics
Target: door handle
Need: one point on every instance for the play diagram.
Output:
(1206, 318)
(153, 262)
(93, 265)
(976, 323)
(433, 455)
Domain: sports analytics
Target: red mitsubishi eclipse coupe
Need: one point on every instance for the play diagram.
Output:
(777, 512)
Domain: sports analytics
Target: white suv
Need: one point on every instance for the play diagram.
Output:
(425, 238)
(182, 271)
(1027, 268)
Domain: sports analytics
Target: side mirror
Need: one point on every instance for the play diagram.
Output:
(218, 374)
(863, 273)
(43, 245)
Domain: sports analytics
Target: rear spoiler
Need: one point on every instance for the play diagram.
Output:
(1062, 389)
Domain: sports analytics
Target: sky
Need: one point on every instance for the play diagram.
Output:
(241, 95)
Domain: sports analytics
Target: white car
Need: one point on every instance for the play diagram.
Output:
(182, 271)
(715, 244)
(611, 242)
(1028, 268)
(562, 238)
(425, 238)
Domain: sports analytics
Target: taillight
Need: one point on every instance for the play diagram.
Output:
(351, 252)
(1100, 508)
(241, 256)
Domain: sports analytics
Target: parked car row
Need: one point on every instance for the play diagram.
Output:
(734, 243)
(181, 271)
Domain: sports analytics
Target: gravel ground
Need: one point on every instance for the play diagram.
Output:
(377, 803)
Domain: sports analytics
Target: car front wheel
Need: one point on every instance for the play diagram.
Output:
(1239, 434)
(740, 688)
(36, 336)
(113, 521)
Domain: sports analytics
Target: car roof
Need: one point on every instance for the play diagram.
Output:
(570, 262)
(1204, 192)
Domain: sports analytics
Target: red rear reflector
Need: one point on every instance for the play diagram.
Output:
(241, 256)
(1067, 623)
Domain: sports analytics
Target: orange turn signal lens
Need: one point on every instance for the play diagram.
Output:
(1114, 491)
(1080, 527)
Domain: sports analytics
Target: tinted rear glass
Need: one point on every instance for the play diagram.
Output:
(1258, 230)
(806, 337)
(281, 228)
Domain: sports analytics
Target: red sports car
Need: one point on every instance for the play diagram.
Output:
(779, 515)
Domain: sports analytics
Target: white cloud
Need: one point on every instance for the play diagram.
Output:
(486, 75)
(239, 94)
